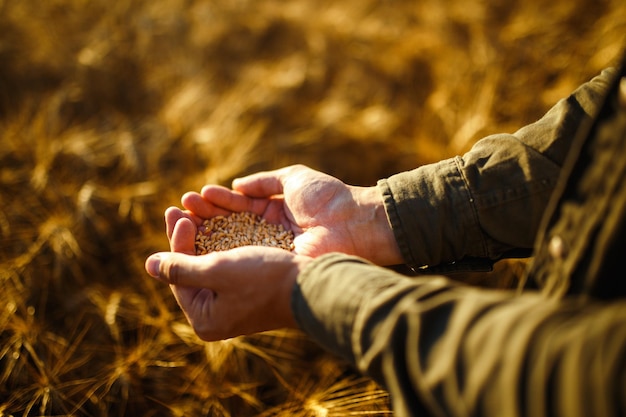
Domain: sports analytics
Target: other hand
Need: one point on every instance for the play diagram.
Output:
(230, 293)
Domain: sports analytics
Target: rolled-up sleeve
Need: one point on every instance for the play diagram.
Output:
(490, 200)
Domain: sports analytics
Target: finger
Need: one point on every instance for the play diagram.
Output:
(214, 269)
(175, 268)
(224, 198)
(233, 200)
(262, 184)
(206, 208)
(183, 238)
(173, 214)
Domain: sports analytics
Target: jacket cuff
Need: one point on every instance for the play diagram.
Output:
(430, 210)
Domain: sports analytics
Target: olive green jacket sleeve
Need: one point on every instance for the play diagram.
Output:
(489, 201)
(443, 348)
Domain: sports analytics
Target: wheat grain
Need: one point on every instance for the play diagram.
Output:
(240, 229)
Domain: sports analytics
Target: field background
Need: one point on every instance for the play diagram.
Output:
(110, 110)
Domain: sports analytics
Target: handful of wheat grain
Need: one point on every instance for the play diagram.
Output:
(240, 229)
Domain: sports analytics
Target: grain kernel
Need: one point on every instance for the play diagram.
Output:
(241, 229)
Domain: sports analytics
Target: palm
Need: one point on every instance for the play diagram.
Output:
(318, 209)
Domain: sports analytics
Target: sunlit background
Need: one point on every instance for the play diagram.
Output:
(111, 110)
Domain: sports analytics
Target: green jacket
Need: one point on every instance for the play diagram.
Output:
(555, 347)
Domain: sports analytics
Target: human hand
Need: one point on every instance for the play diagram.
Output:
(231, 293)
(324, 214)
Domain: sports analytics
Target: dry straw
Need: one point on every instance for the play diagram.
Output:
(110, 110)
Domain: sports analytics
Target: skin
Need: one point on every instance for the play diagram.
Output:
(325, 214)
(218, 293)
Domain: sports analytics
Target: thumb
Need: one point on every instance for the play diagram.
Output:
(178, 269)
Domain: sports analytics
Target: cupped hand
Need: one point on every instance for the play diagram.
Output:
(230, 293)
(324, 214)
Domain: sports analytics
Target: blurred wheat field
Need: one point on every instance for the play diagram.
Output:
(110, 111)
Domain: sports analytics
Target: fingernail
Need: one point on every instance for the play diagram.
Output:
(152, 265)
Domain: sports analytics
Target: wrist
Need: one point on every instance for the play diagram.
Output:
(371, 230)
